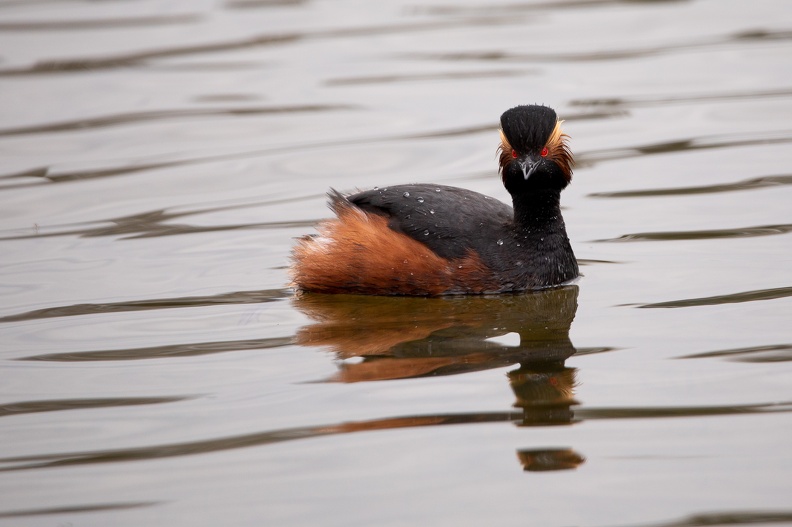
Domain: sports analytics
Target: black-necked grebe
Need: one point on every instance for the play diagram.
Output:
(428, 240)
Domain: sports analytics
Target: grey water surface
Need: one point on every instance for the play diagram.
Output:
(158, 159)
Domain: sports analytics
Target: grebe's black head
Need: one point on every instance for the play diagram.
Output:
(533, 152)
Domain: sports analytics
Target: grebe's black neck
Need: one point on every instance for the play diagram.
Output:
(538, 211)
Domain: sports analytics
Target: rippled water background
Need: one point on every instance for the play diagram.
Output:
(157, 159)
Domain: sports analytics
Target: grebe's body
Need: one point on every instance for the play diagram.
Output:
(436, 240)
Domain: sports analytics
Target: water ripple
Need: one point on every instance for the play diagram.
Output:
(755, 354)
(726, 518)
(61, 459)
(99, 23)
(257, 4)
(191, 349)
(92, 507)
(57, 405)
(50, 176)
(746, 184)
(420, 77)
(734, 298)
(683, 145)
(233, 298)
(637, 101)
(710, 234)
(530, 6)
(134, 59)
(152, 224)
(607, 55)
(157, 115)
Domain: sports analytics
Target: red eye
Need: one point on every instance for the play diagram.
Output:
(514, 154)
(544, 152)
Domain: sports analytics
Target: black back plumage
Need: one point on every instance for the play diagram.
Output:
(455, 222)
(449, 220)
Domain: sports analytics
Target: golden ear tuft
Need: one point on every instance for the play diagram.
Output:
(558, 150)
(504, 151)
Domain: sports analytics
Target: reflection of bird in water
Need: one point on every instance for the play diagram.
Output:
(427, 240)
(540, 460)
(403, 337)
(544, 392)
(412, 337)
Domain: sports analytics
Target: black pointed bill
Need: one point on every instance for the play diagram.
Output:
(528, 165)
